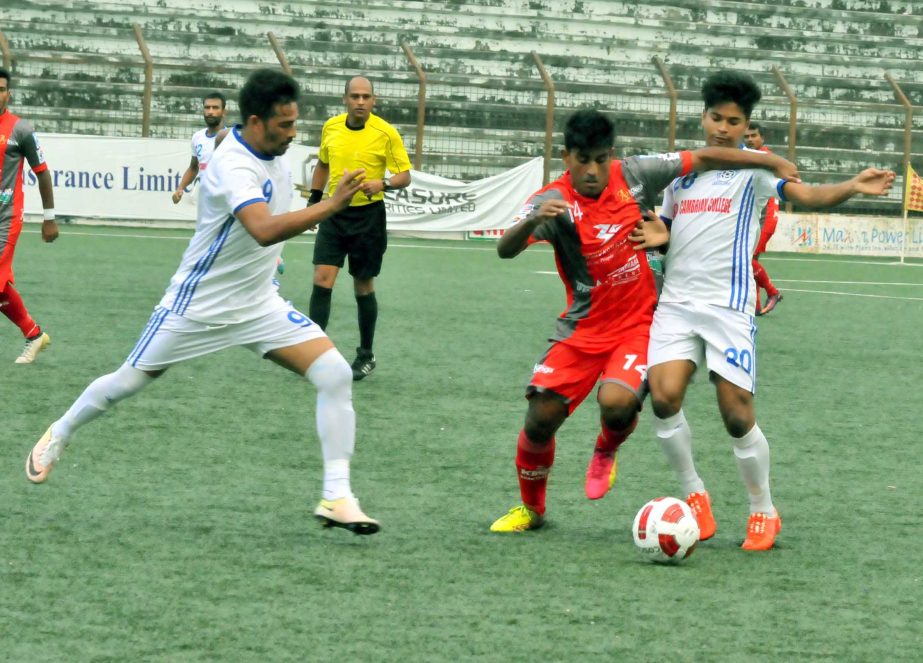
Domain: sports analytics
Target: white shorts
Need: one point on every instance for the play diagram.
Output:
(723, 338)
(169, 338)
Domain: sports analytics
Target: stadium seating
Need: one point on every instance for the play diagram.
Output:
(78, 68)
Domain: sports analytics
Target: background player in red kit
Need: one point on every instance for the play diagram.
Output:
(18, 144)
(587, 216)
(753, 138)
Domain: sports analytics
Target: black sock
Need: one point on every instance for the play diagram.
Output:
(368, 316)
(319, 308)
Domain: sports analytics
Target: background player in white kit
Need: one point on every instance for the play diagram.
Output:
(214, 108)
(221, 296)
(706, 309)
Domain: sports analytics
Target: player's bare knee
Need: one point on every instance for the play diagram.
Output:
(325, 275)
(324, 280)
(363, 287)
(619, 417)
(541, 427)
(738, 422)
(539, 433)
(664, 406)
(543, 418)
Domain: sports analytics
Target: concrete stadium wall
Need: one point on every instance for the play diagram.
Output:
(78, 68)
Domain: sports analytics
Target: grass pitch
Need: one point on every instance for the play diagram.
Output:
(178, 527)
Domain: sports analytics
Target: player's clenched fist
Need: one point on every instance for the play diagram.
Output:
(551, 209)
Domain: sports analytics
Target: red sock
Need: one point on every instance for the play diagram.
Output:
(12, 307)
(610, 440)
(762, 279)
(533, 463)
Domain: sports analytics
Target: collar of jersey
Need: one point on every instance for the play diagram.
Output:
(258, 155)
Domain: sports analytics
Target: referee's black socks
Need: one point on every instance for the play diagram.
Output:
(319, 308)
(368, 316)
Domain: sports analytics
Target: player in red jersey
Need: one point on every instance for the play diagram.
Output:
(753, 138)
(18, 144)
(587, 215)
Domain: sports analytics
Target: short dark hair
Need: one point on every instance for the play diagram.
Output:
(755, 126)
(351, 79)
(587, 130)
(264, 89)
(724, 86)
(6, 74)
(216, 95)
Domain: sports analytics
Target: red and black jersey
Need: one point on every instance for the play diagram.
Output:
(610, 288)
(18, 144)
(770, 213)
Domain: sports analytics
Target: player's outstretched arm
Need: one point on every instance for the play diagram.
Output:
(729, 158)
(267, 229)
(516, 239)
(871, 181)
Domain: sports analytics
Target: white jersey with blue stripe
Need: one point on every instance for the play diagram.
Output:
(203, 146)
(715, 224)
(225, 276)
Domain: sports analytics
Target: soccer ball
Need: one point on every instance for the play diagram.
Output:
(665, 530)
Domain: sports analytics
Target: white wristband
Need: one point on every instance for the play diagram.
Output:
(49, 214)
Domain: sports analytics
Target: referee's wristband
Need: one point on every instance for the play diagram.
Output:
(49, 214)
(315, 197)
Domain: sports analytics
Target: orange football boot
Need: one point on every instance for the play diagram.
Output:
(762, 529)
(700, 503)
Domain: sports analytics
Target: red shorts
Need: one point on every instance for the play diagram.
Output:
(7, 248)
(572, 373)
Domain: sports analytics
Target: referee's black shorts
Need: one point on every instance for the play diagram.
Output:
(357, 232)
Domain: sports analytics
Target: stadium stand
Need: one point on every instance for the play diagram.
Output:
(79, 69)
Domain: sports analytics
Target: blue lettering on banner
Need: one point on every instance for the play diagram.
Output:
(131, 180)
(76, 179)
(142, 181)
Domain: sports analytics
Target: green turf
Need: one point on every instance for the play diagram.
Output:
(178, 528)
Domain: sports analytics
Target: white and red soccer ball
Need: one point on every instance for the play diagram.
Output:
(665, 530)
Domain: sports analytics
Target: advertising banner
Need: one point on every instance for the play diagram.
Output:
(124, 178)
(843, 234)
(133, 179)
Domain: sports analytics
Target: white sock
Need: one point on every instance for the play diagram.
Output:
(336, 420)
(752, 452)
(676, 441)
(99, 396)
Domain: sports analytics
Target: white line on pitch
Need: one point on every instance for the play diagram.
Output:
(846, 282)
(185, 238)
(855, 294)
(844, 262)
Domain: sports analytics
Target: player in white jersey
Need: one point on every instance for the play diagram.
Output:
(214, 108)
(705, 313)
(221, 296)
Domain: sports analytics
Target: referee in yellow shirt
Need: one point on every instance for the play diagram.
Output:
(356, 139)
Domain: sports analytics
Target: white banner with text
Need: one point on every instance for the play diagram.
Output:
(133, 179)
(843, 234)
(125, 178)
